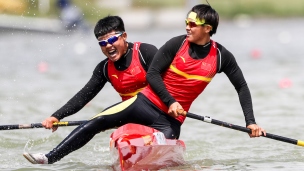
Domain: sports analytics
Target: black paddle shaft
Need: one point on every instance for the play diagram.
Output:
(21, 126)
(239, 128)
(39, 125)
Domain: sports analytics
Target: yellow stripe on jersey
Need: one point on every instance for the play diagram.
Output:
(195, 77)
(133, 93)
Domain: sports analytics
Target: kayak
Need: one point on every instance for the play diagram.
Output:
(137, 147)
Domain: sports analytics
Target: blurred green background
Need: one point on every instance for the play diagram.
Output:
(95, 9)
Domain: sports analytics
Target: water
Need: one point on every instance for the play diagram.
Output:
(41, 72)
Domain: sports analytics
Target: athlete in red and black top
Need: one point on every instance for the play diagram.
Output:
(225, 62)
(125, 68)
(100, 77)
(179, 72)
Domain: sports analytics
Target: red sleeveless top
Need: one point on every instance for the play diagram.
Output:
(130, 81)
(186, 78)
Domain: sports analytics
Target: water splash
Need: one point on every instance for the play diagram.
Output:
(28, 146)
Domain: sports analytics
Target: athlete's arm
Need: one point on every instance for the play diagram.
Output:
(85, 95)
(234, 73)
(161, 62)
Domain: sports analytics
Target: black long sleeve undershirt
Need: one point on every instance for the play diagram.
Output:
(100, 77)
(226, 63)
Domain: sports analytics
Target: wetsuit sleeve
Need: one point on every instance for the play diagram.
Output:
(161, 62)
(147, 51)
(85, 95)
(235, 75)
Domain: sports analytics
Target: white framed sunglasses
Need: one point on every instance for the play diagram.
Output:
(110, 40)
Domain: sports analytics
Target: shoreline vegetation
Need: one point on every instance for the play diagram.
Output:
(95, 9)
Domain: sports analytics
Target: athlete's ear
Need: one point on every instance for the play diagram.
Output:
(208, 28)
(124, 36)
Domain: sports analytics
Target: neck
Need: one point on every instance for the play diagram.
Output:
(203, 41)
(126, 51)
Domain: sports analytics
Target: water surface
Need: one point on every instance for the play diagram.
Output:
(40, 72)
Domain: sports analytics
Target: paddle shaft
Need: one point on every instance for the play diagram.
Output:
(243, 129)
(39, 125)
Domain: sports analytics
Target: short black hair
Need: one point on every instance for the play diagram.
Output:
(107, 25)
(207, 13)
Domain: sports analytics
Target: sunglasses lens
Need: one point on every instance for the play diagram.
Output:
(112, 40)
(103, 43)
(192, 24)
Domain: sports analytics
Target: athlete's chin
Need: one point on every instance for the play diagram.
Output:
(190, 38)
(114, 58)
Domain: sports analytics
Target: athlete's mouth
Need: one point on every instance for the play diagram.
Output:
(112, 53)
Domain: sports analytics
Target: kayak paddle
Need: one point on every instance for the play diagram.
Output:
(243, 129)
(39, 125)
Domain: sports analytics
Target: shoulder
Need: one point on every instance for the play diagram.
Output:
(144, 47)
(226, 57)
(177, 40)
(100, 66)
(174, 43)
(223, 51)
(147, 47)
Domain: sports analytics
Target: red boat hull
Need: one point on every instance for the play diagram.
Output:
(137, 147)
